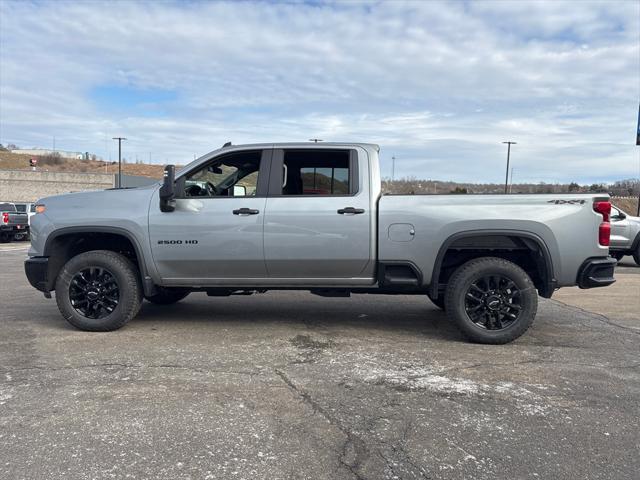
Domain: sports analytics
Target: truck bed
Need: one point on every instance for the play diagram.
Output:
(556, 220)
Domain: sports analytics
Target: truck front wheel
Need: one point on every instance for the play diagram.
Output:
(491, 300)
(98, 291)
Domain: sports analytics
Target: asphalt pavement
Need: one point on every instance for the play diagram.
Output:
(287, 385)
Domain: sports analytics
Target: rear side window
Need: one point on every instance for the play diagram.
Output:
(7, 207)
(317, 172)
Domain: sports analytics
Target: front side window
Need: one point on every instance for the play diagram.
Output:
(316, 172)
(615, 213)
(234, 175)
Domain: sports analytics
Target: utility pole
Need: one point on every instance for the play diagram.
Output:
(393, 168)
(511, 180)
(119, 159)
(506, 177)
(638, 143)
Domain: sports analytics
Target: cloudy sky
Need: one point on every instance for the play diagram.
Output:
(439, 85)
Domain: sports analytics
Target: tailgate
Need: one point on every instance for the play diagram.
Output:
(18, 219)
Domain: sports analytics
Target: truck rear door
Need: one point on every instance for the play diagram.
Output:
(317, 215)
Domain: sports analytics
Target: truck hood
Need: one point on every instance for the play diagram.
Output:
(87, 199)
(100, 207)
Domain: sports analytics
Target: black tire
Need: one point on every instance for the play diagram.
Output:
(636, 255)
(502, 303)
(94, 279)
(5, 237)
(167, 296)
(439, 301)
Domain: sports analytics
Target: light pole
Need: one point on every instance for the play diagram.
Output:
(638, 144)
(511, 180)
(119, 159)
(393, 168)
(506, 177)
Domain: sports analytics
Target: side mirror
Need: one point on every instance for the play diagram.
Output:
(168, 189)
(239, 191)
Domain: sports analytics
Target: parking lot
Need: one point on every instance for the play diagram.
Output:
(290, 385)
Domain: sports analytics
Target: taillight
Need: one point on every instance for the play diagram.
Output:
(5, 217)
(604, 208)
(604, 232)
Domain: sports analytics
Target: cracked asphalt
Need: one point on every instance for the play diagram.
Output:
(287, 385)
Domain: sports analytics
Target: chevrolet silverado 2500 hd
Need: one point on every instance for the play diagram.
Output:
(252, 218)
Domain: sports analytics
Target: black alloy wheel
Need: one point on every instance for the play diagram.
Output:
(493, 302)
(94, 292)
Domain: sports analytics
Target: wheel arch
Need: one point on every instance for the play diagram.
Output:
(63, 243)
(479, 243)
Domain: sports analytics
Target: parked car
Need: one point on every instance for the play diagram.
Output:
(12, 223)
(24, 208)
(312, 217)
(625, 235)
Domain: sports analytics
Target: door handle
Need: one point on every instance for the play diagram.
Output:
(246, 211)
(354, 211)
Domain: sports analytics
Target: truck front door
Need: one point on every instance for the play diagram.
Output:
(215, 234)
(620, 229)
(318, 218)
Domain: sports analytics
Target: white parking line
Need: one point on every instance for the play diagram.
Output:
(13, 248)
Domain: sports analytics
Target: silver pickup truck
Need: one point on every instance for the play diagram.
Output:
(247, 219)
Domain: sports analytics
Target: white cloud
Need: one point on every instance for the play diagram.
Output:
(438, 84)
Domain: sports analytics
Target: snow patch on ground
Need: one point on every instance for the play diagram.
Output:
(409, 377)
(4, 396)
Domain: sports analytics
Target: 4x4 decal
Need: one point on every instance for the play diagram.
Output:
(569, 202)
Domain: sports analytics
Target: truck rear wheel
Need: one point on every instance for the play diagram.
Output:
(491, 300)
(98, 291)
(167, 296)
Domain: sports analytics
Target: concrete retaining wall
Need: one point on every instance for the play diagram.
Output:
(28, 186)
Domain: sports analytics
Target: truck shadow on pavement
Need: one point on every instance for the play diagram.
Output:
(401, 315)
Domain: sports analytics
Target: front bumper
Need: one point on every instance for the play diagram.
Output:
(37, 269)
(597, 272)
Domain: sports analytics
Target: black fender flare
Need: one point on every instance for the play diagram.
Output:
(147, 282)
(549, 278)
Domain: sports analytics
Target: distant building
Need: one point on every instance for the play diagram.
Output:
(43, 152)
